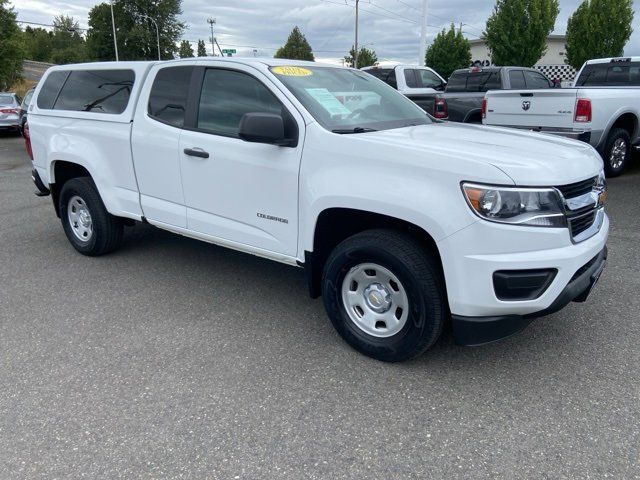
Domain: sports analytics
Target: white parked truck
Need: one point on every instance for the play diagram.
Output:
(603, 109)
(401, 222)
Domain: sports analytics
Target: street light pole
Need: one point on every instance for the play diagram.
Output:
(211, 21)
(157, 33)
(355, 53)
(423, 35)
(113, 25)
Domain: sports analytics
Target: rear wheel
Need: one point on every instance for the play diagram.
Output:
(90, 228)
(617, 152)
(384, 294)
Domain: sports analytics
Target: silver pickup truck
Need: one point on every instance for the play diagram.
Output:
(603, 109)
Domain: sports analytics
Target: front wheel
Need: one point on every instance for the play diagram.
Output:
(90, 228)
(384, 294)
(617, 152)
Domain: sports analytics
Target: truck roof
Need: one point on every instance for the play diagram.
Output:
(138, 65)
(612, 59)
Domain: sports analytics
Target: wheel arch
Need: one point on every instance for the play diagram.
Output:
(626, 120)
(62, 171)
(335, 224)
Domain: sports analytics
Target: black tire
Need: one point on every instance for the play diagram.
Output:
(107, 230)
(418, 273)
(616, 136)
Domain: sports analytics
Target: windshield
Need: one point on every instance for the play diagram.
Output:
(350, 101)
(27, 98)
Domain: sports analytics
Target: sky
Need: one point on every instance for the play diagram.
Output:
(390, 27)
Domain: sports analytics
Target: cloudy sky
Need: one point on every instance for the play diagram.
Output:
(390, 27)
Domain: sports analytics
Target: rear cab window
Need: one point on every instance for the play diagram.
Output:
(387, 75)
(474, 81)
(617, 73)
(169, 92)
(96, 91)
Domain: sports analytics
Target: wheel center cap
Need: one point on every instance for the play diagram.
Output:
(85, 218)
(377, 298)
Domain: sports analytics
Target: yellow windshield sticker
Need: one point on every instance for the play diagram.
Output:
(292, 71)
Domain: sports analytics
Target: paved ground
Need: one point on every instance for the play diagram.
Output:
(177, 359)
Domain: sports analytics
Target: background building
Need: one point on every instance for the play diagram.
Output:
(552, 64)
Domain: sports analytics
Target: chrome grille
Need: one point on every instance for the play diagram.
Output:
(579, 188)
(584, 212)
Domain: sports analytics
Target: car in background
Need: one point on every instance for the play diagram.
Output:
(10, 112)
(24, 107)
(466, 88)
(420, 84)
(602, 109)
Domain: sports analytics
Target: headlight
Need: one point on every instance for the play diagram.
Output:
(536, 207)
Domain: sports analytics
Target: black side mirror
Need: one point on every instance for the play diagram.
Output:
(441, 87)
(263, 128)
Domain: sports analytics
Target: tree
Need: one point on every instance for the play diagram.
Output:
(186, 51)
(37, 44)
(448, 52)
(598, 29)
(517, 31)
(202, 49)
(67, 45)
(11, 50)
(136, 34)
(366, 57)
(296, 48)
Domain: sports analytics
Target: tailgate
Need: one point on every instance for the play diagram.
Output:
(531, 108)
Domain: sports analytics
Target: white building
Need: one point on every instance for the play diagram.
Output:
(551, 64)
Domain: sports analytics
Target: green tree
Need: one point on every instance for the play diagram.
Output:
(517, 31)
(37, 44)
(186, 50)
(136, 34)
(448, 52)
(67, 45)
(11, 50)
(366, 57)
(296, 48)
(598, 29)
(202, 48)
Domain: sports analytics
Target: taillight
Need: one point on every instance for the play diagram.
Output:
(484, 108)
(440, 109)
(27, 140)
(583, 110)
(15, 111)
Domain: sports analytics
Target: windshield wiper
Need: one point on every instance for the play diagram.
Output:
(347, 131)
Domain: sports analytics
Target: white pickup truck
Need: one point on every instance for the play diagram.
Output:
(401, 222)
(603, 109)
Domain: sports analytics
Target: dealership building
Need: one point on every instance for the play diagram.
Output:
(552, 64)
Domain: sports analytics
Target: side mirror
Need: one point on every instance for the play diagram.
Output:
(441, 87)
(263, 128)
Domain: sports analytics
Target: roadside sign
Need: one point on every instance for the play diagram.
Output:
(228, 51)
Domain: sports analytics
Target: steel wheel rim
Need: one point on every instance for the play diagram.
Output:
(375, 300)
(618, 153)
(80, 219)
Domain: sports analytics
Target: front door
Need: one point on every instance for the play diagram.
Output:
(241, 192)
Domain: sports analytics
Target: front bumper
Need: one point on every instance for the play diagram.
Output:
(471, 256)
(473, 331)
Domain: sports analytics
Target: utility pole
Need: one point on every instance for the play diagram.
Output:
(211, 21)
(113, 24)
(423, 34)
(355, 53)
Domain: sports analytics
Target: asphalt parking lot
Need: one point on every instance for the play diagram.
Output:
(176, 359)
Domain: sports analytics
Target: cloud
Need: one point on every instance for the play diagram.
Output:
(390, 27)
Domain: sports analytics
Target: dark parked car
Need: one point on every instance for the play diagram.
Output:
(464, 94)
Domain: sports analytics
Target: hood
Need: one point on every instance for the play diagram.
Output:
(528, 158)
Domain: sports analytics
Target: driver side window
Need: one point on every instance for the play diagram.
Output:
(227, 95)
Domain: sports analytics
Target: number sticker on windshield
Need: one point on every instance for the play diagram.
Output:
(292, 71)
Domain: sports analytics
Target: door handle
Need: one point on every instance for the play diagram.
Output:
(196, 152)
